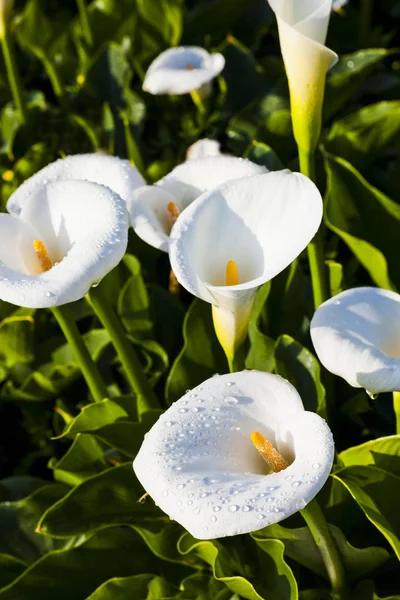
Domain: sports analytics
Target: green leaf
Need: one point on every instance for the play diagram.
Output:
(16, 340)
(301, 368)
(134, 305)
(335, 277)
(84, 458)
(300, 546)
(376, 491)
(366, 220)
(383, 453)
(201, 356)
(264, 155)
(109, 498)
(361, 136)
(213, 19)
(165, 16)
(275, 579)
(10, 568)
(262, 348)
(136, 587)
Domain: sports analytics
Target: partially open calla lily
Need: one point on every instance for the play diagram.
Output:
(303, 27)
(115, 173)
(356, 335)
(235, 454)
(67, 237)
(183, 70)
(203, 149)
(155, 208)
(239, 236)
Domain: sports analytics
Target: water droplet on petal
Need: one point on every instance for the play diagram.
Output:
(230, 400)
(233, 508)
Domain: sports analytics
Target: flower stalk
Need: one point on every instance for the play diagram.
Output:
(146, 398)
(89, 370)
(85, 23)
(13, 75)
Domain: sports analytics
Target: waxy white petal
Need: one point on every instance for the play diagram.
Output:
(117, 174)
(148, 205)
(83, 225)
(356, 335)
(203, 148)
(16, 245)
(200, 466)
(182, 70)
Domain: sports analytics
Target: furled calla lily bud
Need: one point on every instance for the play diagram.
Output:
(302, 28)
(235, 454)
(356, 335)
(238, 236)
(183, 70)
(115, 173)
(67, 237)
(155, 208)
(6, 7)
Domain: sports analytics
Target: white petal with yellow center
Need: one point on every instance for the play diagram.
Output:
(200, 466)
(78, 227)
(116, 173)
(182, 70)
(356, 335)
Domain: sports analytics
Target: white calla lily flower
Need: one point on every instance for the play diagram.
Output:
(356, 335)
(183, 70)
(235, 454)
(235, 238)
(303, 26)
(203, 149)
(67, 237)
(155, 208)
(115, 173)
(339, 4)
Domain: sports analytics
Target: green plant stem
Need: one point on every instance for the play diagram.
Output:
(396, 407)
(198, 102)
(89, 370)
(85, 23)
(321, 533)
(133, 369)
(365, 22)
(13, 77)
(315, 247)
(132, 148)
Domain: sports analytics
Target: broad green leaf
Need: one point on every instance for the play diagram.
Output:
(213, 19)
(203, 586)
(162, 539)
(201, 356)
(134, 305)
(136, 587)
(302, 369)
(335, 270)
(262, 347)
(366, 220)
(376, 491)
(362, 135)
(300, 546)
(10, 569)
(109, 498)
(264, 155)
(165, 16)
(17, 487)
(383, 453)
(84, 458)
(275, 579)
(16, 340)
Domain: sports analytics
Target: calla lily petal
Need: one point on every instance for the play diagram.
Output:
(356, 335)
(117, 174)
(83, 228)
(200, 466)
(182, 70)
(203, 149)
(148, 205)
(302, 33)
(267, 221)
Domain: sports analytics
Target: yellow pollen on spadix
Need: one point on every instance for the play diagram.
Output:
(232, 273)
(189, 67)
(173, 212)
(42, 255)
(272, 457)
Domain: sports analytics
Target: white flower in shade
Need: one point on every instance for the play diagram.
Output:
(356, 335)
(235, 454)
(183, 70)
(115, 173)
(303, 25)
(203, 149)
(67, 237)
(338, 4)
(239, 236)
(155, 208)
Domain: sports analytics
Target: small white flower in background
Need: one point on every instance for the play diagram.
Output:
(338, 4)
(183, 70)
(115, 173)
(303, 26)
(155, 208)
(203, 149)
(235, 238)
(6, 7)
(235, 454)
(67, 237)
(356, 335)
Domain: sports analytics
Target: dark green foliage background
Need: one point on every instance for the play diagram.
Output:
(65, 462)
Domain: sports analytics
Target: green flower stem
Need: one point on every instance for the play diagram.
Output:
(364, 24)
(85, 23)
(89, 370)
(319, 529)
(396, 406)
(125, 350)
(315, 247)
(198, 102)
(132, 148)
(13, 77)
